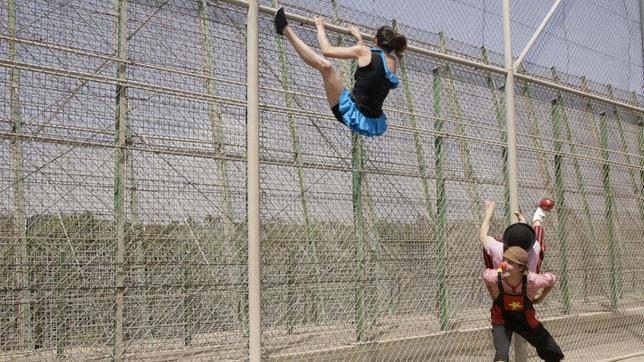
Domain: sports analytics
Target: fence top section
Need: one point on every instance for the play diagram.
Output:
(452, 58)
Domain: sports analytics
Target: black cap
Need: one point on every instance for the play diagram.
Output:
(519, 234)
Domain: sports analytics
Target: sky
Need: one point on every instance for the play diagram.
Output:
(599, 39)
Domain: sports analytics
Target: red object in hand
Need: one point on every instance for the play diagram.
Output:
(503, 265)
(546, 204)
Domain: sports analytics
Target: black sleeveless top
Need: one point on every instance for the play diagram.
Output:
(371, 87)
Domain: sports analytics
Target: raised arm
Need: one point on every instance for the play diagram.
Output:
(354, 52)
(484, 238)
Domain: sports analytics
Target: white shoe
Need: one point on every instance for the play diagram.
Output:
(545, 205)
(539, 215)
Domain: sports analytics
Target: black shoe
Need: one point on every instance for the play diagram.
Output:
(280, 21)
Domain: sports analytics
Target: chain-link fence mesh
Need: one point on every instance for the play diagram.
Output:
(123, 201)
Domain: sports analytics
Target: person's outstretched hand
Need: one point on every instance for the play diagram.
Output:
(489, 208)
(319, 23)
(355, 32)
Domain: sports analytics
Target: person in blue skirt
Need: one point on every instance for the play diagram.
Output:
(361, 108)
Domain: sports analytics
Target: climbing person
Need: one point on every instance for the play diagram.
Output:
(361, 108)
(530, 239)
(513, 288)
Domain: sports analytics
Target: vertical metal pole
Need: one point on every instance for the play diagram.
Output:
(499, 111)
(357, 164)
(136, 230)
(561, 116)
(291, 267)
(640, 137)
(61, 313)
(252, 147)
(591, 224)
(631, 171)
(557, 110)
(358, 227)
(625, 150)
(25, 330)
(310, 229)
(440, 227)
(231, 240)
(374, 274)
(188, 293)
(61, 310)
(519, 344)
(642, 26)
(509, 110)
(610, 213)
(120, 170)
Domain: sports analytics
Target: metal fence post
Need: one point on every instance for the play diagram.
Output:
(642, 25)
(499, 112)
(21, 251)
(440, 227)
(610, 214)
(640, 142)
(358, 188)
(232, 242)
(252, 147)
(560, 195)
(120, 175)
(625, 150)
(311, 235)
(519, 343)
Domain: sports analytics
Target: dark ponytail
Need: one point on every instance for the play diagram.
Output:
(400, 44)
(391, 41)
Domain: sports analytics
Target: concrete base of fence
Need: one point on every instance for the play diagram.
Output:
(586, 337)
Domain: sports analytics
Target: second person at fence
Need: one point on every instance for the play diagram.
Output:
(513, 288)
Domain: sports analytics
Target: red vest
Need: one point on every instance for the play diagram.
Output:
(514, 310)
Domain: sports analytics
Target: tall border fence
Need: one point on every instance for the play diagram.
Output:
(124, 226)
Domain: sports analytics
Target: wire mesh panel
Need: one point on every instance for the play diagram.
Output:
(123, 188)
(133, 248)
(398, 224)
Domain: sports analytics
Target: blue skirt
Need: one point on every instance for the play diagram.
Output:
(358, 122)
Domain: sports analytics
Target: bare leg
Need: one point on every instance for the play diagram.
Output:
(333, 85)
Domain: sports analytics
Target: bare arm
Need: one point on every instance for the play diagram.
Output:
(356, 34)
(354, 52)
(545, 280)
(485, 225)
